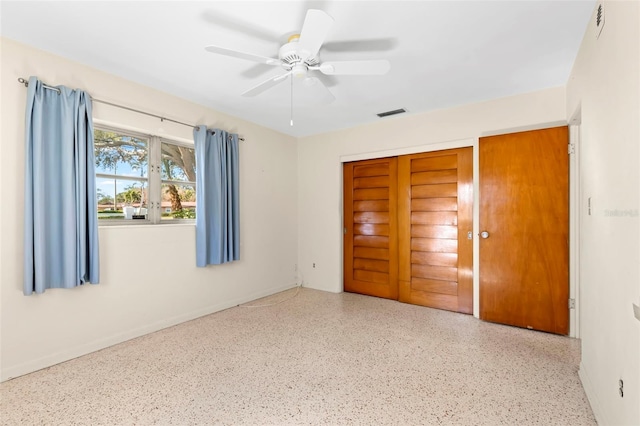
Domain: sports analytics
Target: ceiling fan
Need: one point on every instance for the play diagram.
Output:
(299, 57)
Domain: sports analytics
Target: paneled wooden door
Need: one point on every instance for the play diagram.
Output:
(524, 210)
(371, 227)
(406, 222)
(435, 219)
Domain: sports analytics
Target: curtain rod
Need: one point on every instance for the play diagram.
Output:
(55, 89)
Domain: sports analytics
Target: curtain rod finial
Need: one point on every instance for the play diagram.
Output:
(23, 81)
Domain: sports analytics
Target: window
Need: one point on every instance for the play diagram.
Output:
(178, 176)
(142, 178)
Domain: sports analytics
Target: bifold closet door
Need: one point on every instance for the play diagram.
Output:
(435, 217)
(371, 227)
(524, 218)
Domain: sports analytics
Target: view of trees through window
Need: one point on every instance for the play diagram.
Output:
(123, 181)
(178, 180)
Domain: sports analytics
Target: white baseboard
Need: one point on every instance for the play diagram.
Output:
(7, 373)
(592, 396)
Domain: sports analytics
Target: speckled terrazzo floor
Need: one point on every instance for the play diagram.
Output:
(318, 358)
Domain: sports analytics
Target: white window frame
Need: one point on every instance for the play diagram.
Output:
(154, 179)
(157, 155)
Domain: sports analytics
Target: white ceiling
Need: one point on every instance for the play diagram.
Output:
(442, 53)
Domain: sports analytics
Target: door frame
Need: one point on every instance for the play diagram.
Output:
(574, 203)
(575, 214)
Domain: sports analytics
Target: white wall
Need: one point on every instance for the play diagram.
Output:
(320, 169)
(154, 283)
(603, 93)
(148, 274)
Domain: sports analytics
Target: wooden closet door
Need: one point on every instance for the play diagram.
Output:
(371, 227)
(435, 218)
(524, 208)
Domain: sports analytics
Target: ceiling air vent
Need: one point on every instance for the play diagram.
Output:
(599, 18)
(394, 112)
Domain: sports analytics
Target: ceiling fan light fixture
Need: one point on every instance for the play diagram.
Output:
(299, 70)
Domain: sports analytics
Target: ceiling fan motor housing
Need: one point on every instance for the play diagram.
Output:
(291, 58)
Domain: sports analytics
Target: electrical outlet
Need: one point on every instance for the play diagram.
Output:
(314, 265)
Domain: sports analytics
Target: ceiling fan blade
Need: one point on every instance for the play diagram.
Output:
(256, 71)
(242, 55)
(377, 67)
(328, 80)
(265, 85)
(370, 45)
(314, 30)
(220, 19)
(327, 96)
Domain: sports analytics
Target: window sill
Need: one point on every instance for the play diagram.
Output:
(121, 225)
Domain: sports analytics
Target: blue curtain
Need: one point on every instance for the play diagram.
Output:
(60, 211)
(217, 194)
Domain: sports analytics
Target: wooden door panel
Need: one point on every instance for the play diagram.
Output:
(524, 207)
(370, 229)
(438, 176)
(371, 265)
(370, 276)
(434, 245)
(431, 272)
(370, 221)
(370, 253)
(435, 213)
(434, 218)
(436, 259)
(436, 190)
(449, 204)
(434, 163)
(371, 241)
(371, 182)
(371, 194)
(434, 231)
(379, 169)
(371, 206)
(371, 217)
(435, 286)
(370, 288)
(448, 302)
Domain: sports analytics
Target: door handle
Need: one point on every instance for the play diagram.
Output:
(484, 234)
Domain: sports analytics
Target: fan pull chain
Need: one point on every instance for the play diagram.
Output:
(291, 122)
